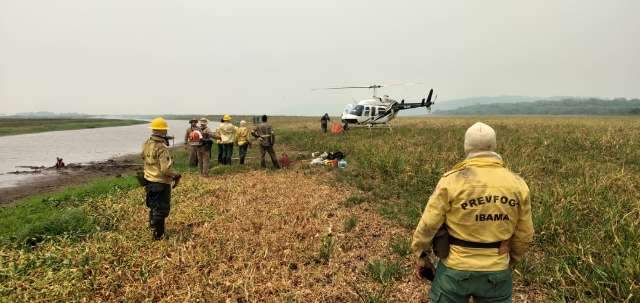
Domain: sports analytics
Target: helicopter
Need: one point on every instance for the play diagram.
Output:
(378, 110)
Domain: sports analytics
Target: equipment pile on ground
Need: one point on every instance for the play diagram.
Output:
(333, 159)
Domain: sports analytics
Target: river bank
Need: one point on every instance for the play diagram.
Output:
(17, 126)
(90, 149)
(52, 179)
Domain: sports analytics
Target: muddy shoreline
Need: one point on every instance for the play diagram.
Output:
(50, 179)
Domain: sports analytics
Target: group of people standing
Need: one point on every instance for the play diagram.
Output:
(200, 138)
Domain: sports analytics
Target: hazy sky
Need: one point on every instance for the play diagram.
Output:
(161, 56)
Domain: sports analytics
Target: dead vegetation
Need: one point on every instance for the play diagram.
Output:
(249, 237)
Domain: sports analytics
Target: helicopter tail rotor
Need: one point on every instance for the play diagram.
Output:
(426, 102)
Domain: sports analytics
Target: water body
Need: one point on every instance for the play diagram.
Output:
(74, 146)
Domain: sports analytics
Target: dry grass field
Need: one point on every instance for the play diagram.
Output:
(313, 234)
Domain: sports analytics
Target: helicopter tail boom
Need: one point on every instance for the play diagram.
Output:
(425, 102)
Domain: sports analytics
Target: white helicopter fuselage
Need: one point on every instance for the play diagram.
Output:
(369, 111)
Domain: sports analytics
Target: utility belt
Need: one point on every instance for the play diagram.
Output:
(464, 243)
(265, 140)
(443, 240)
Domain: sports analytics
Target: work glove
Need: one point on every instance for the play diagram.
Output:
(141, 180)
(425, 269)
(176, 180)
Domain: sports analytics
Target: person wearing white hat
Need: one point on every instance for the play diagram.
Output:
(478, 221)
(192, 139)
(242, 139)
(204, 150)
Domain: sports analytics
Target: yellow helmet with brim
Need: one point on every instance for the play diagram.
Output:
(159, 123)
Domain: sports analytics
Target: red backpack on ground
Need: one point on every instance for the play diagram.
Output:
(284, 161)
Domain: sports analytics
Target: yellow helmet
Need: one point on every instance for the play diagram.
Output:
(159, 124)
(226, 118)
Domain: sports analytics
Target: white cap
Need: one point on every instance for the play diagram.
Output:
(243, 123)
(479, 137)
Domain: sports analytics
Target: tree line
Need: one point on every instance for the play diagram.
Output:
(590, 106)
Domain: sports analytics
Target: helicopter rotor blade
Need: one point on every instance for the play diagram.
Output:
(374, 86)
(346, 87)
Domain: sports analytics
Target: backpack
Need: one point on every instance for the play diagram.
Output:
(195, 137)
(284, 161)
(338, 155)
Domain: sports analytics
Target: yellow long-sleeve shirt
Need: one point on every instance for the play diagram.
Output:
(227, 133)
(243, 135)
(480, 201)
(157, 161)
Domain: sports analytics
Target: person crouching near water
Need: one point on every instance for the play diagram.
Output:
(204, 150)
(484, 210)
(227, 138)
(158, 175)
(242, 140)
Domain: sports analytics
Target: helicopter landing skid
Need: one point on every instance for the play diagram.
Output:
(372, 126)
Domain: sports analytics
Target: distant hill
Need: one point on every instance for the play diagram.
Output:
(572, 106)
(43, 114)
(458, 103)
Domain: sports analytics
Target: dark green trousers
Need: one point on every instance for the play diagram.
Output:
(227, 153)
(243, 152)
(452, 285)
(158, 202)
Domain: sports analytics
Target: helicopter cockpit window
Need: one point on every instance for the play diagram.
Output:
(357, 111)
(348, 108)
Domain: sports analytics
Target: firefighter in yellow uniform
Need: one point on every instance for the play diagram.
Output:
(242, 139)
(159, 175)
(482, 212)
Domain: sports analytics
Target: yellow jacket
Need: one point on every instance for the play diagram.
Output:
(480, 201)
(243, 135)
(218, 135)
(227, 133)
(157, 161)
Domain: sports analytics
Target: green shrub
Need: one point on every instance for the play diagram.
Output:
(34, 219)
(326, 248)
(350, 223)
(383, 271)
(71, 221)
(354, 200)
(401, 246)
